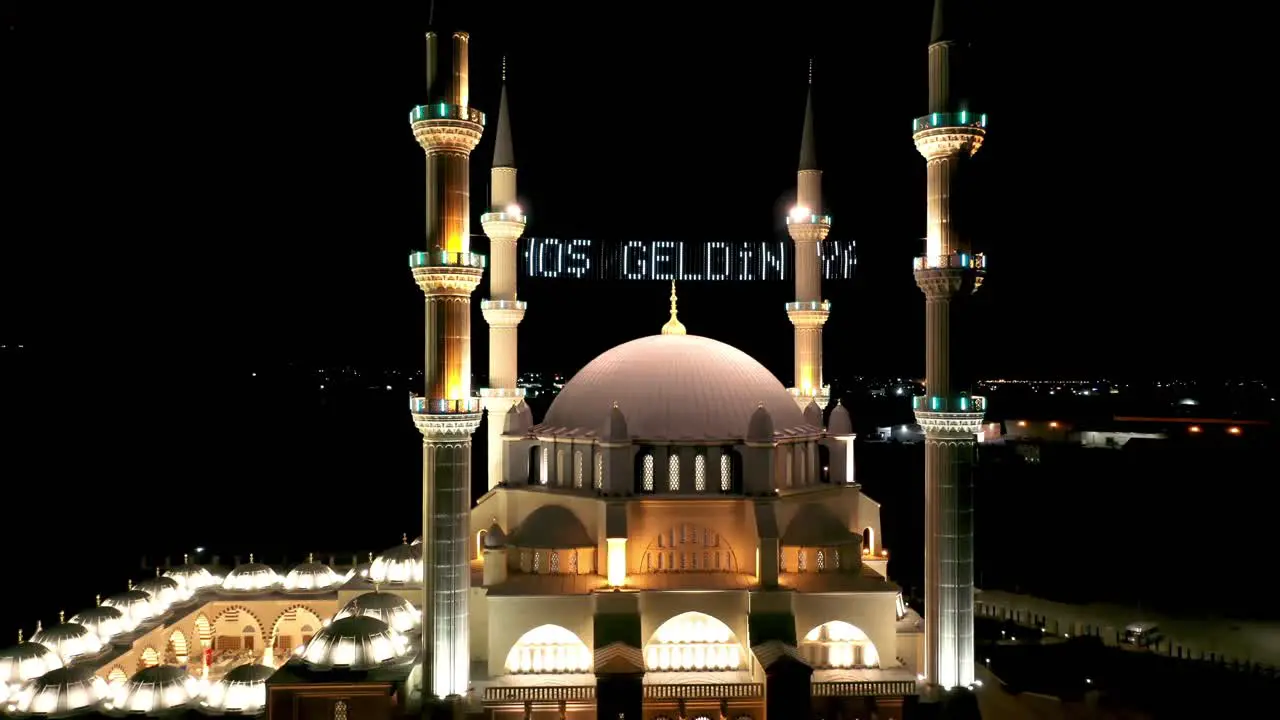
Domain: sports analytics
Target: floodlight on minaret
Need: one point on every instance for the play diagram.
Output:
(948, 273)
(448, 129)
(502, 311)
(808, 227)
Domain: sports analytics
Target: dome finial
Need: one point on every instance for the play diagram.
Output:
(375, 586)
(19, 636)
(128, 584)
(186, 559)
(673, 326)
(39, 627)
(370, 557)
(250, 557)
(404, 538)
(157, 571)
(97, 601)
(311, 557)
(62, 617)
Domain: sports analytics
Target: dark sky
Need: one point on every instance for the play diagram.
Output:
(209, 186)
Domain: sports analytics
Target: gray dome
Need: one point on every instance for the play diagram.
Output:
(26, 661)
(164, 592)
(815, 526)
(60, 693)
(840, 423)
(397, 612)
(552, 527)
(105, 620)
(494, 537)
(674, 387)
(813, 414)
(135, 605)
(251, 577)
(69, 641)
(398, 565)
(358, 642)
(311, 576)
(243, 691)
(156, 690)
(760, 429)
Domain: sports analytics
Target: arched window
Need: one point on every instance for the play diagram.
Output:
(801, 561)
(673, 472)
(537, 561)
(835, 558)
(340, 710)
(548, 649)
(693, 641)
(868, 541)
(544, 475)
(577, 469)
(824, 463)
(822, 561)
(555, 562)
(646, 476)
(700, 472)
(838, 644)
(573, 562)
(726, 473)
(598, 481)
(560, 467)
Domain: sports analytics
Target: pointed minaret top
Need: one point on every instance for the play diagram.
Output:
(808, 149)
(673, 326)
(948, 21)
(503, 154)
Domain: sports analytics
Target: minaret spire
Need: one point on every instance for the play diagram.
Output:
(808, 147)
(673, 326)
(503, 155)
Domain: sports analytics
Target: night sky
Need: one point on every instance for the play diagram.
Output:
(201, 189)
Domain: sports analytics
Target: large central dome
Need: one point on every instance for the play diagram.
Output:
(674, 387)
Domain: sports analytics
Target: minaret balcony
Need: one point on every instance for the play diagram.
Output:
(440, 272)
(502, 217)
(964, 118)
(809, 219)
(515, 393)
(503, 313)
(441, 126)
(445, 111)
(446, 259)
(805, 226)
(940, 135)
(939, 404)
(419, 405)
(507, 225)
(809, 313)
(955, 260)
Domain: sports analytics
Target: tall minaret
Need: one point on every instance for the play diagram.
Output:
(948, 273)
(808, 227)
(448, 129)
(504, 225)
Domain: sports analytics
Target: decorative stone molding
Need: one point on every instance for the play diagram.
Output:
(938, 143)
(447, 428)
(448, 281)
(943, 283)
(502, 313)
(809, 232)
(963, 426)
(808, 317)
(502, 230)
(436, 136)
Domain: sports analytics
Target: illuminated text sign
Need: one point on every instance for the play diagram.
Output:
(677, 260)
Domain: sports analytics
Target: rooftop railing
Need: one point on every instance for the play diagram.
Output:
(964, 118)
(503, 305)
(976, 261)
(823, 305)
(443, 406)
(444, 258)
(809, 220)
(502, 217)
(937, 403)
(445, 111)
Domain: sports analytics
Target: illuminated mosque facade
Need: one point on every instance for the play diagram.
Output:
(681, 536)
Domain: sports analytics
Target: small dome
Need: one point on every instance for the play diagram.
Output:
(191, 578)
(358, 642)
(398, 565)
(551, 527)
(243, 691)
(164, 592)
(675, 387)
(251, 577)
(516, 421)
(494, 537)
(61, 693)
(397, 612)
(615, 426)
(69, 640)
(156, 690)
(813, 414)
(134, 605)
(105, 620)
(760, 429)
(311, 575)
(24, 661)
(840, 423)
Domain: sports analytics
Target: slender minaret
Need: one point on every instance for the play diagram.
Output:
(504, 225)
(948, 273)
(448, 272)
(808, 227)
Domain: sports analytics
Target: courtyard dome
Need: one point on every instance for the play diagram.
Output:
(494, 537)
(164, 592)
(395, 611)
(840, 423)
(398, 565)
(251, 577)
(22, 662)
(191, 578)
(243, 691)
(106, 621)
(69, 640)
(553, 527)
(674, 387)
(311, 575)
(134, 605)
(358, 642)
(155, 691)
(61, 693)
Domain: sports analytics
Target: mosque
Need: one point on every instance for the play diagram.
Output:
(681, 536)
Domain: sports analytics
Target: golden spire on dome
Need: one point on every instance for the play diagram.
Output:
(673, 326)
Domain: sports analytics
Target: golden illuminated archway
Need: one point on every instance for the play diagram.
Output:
(117, 676)
(204, 630)
(693, 641)
(549, 649)
(179, 645)
(149, 658)
(837, 644)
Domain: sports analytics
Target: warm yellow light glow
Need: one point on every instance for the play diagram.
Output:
(799, 212)
(838, 644)
(617, 562)
(514, 209)
(693, 641)
(549, 649)
(1233, 430)
(1053, 424)
(1022, 423)
(1194, 428)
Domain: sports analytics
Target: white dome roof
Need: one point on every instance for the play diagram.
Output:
(70, 640)
(395, 611)
(155, 690)
(242, 691)
(674, 387)
(103, 619)
(190, 577)
(135, 605)
(251, 577)
(61, 693)
(398, 565)
(310, 576)
(164, 592)
(24, 661)
(358, 642)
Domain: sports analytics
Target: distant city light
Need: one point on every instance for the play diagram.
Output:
(200, 549)
(1022, 423)
(1233, 430)
(1053, 424)
(1194, 429)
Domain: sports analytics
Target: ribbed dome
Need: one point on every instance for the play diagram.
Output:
(61, 693)
(311, 575)
(358, 642)
(390, 608)
(156, 690)
(190, 577)
(400, 564)
(251, 577)
(103, 619)
(242, 691)
(134, 605)
(24, 661)
(70, 641)
(674, 387)
(164, 592)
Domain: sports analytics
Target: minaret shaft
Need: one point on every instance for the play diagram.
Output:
(447, 414)
(948, 274)
(808, 227)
